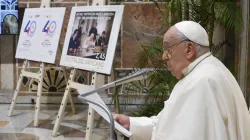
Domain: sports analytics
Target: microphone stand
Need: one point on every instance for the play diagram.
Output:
(141, 74)
(111, 128)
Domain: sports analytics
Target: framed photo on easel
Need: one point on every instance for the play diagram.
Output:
(91, 38)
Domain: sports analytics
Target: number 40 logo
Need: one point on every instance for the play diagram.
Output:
(30, 28)
(49, 27)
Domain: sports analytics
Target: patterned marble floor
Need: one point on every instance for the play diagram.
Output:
(20, 125)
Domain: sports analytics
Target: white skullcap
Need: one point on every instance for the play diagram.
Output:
(193, 31)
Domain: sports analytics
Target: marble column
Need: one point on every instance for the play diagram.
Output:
(7, 49)
(243, 57)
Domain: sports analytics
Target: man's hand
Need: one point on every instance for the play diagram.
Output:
(123, 120)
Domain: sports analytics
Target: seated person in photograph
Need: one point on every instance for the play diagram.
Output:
(73, 43)
(207, 102)
(89, 43)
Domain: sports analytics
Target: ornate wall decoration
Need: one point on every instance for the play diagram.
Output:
(54, 81)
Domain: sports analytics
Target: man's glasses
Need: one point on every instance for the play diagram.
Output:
(168, 51)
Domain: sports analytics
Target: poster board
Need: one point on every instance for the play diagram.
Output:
(91, 38)
(40, 33)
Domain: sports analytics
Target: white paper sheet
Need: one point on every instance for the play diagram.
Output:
(100, 111)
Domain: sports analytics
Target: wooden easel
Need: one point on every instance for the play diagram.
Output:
(39, 76)
(96, 81)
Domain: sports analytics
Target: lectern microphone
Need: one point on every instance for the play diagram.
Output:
(138, 75)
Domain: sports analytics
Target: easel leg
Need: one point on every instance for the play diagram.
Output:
(90, 124)
(72, 103)
(63, 104)
(17, 88)
(70, 96)
(91, 115)
(39, 94)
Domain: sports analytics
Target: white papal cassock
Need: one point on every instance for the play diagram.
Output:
(207, 104)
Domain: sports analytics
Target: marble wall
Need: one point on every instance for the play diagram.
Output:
(142, 23)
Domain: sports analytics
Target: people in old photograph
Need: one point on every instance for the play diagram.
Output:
(90, 36)
(73, 43)
(80, 28)
(75, 40)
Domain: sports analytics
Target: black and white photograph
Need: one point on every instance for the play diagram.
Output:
(90, 34)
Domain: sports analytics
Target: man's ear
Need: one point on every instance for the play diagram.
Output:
(190, 51)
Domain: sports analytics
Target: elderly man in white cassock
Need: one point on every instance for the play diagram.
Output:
(207, 102)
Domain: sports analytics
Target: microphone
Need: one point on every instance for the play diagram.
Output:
(138, 75)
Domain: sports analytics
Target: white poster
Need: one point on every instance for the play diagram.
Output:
(91, 37)
(40, 33)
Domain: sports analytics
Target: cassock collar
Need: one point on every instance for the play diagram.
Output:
(192, 65)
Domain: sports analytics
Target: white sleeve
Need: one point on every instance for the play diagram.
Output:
(85, 44)
(142, 127)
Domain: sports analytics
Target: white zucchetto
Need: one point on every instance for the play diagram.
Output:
(193, 31)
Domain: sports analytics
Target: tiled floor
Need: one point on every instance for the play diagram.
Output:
(20, 125)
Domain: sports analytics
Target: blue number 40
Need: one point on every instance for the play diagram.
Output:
(45, 28)
(27, 28)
